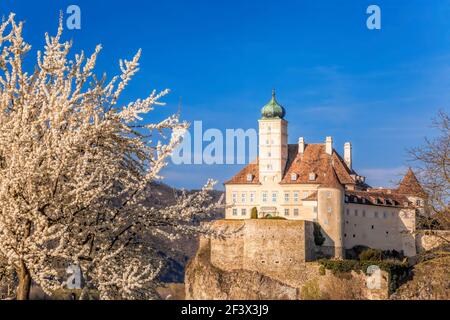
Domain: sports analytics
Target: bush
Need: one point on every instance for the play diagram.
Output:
(398, 271)
(371, 255)
(254, 213)
(319, 239)
(311, 291)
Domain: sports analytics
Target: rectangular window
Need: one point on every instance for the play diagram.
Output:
(264, 196)
(286, 197)
(243, 197)
(364, 213)
(295, 196)
(329, 194)
(305, 194)
(252, 197)
(315, 209)
(329, 209)
(375, 214)
(286, 212)
(348, 212)
(234, 197)
(234, 212)
(356, 212)
(384, 215)
(243, 212)
(274, 197)
(296, 212)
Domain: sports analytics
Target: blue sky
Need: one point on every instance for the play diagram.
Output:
(378, 89)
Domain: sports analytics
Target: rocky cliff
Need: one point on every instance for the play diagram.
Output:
(223, 269)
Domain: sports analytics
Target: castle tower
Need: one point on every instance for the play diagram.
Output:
(273, 137)
(330, 197)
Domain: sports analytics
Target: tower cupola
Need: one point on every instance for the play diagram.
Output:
(273, 110)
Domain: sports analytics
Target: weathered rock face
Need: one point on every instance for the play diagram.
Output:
(430, 281)
(205, 281)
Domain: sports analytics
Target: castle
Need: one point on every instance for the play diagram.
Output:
(312, 182)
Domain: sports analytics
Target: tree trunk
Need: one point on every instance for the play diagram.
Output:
(23, 290)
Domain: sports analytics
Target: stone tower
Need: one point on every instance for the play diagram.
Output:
(330, 196)
(273, 137)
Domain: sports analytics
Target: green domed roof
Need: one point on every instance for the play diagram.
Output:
(273, 109)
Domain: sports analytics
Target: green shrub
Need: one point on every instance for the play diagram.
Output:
(322, 271)
(371, 255)
(274, 217)
(398, 271)
(254, 213)
(311, 291)
(319, 239)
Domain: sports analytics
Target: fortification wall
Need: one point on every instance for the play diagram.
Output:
(273, 247)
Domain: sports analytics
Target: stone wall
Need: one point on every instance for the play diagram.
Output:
(265, 245)
(304, 280)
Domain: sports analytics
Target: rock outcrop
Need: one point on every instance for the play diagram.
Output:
(205, 281)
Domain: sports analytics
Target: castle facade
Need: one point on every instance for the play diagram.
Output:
(313, 182)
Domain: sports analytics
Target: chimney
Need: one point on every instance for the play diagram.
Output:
(301, 145)
(329, 146)
(348, 155)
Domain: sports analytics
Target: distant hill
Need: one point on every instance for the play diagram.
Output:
(177, 253)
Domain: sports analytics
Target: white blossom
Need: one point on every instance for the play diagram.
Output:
(75, 168)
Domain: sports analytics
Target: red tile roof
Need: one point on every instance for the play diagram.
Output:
(241, 176)
(377, 198)
(313, 160)
(410, 185)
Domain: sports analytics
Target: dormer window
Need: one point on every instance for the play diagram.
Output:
(294, 177)
(312, 176)
(346, 198)
(249, 177)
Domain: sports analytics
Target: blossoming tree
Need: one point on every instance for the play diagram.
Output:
(75, 165)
